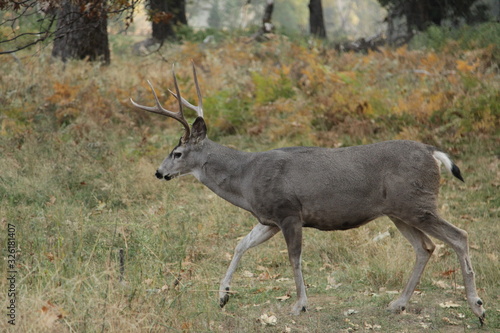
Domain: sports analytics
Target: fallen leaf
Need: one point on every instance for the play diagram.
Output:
(283, 298)
(50, 256)
(449, 304)
(392, 292)
(492, 256)
(440, 250)
(457, 286)
(52, 200)
(247, 274)
(332, 283)
(449, 321)
(50, 314)
(283, 279)
(260, 290)
(268, 320)
(350, 312)
(448, 272)
(441, 284)
(100, 206)
(474, 246)
(425, 325)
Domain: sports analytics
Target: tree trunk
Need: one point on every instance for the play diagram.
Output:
(178, 9)
(421, 13)
(165, 14)
(161, 20)
(82, 31)
(316, 21)
(267, 25)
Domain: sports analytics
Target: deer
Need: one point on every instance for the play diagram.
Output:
(288, 189)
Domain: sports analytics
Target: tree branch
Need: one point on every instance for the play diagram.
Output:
(26, 8)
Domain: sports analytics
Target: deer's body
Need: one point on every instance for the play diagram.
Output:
(328, 189)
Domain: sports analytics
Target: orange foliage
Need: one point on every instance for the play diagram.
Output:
(281, 89)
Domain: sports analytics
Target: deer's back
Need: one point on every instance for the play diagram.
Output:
(343, 188)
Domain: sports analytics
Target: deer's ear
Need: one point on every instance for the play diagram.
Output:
(198, 130)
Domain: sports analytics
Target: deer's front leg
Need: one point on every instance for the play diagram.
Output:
(259, 234)
(292, 230)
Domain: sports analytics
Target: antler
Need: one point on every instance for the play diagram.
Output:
(199, 107)
(179, 116)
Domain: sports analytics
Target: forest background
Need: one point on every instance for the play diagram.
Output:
(101, 245)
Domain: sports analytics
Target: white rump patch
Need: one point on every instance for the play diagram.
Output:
(441, 157)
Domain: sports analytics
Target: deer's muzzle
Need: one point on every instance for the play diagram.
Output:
(159, 175)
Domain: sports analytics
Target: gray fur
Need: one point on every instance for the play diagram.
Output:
(328, 189)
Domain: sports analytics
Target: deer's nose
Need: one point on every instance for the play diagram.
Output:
(158, 175)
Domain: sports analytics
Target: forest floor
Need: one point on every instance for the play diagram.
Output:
(102, 246)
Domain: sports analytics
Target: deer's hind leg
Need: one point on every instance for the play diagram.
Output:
(423, 247)
(437, 227)
(259, 234)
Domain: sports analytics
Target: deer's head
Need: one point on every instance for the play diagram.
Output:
(184, 158)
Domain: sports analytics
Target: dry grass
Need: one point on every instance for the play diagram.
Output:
(77, 182)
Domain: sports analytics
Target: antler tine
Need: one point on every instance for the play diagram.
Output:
(198, 108)
(181, 111)
(159, 109)
(200, 100)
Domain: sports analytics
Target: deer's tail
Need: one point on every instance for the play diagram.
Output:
(448, 163)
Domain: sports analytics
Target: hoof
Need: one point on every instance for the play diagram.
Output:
(396, 306)
(224, 299)
(296, 310)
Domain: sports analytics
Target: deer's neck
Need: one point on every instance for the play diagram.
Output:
(223, 170)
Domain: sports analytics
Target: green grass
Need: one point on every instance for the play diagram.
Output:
(77, 180)
(465, 37)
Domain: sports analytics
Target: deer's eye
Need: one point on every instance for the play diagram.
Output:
(177, 155)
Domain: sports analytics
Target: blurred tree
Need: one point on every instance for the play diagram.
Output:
(161, 20)
(267, 25)
(82, 31)
(214, 19)
(419, 14)
(316, 21)
(78, 28)
(164, 15)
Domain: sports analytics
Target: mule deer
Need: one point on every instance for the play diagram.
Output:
(291, 188)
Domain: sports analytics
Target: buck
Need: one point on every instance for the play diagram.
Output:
(288, 189)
